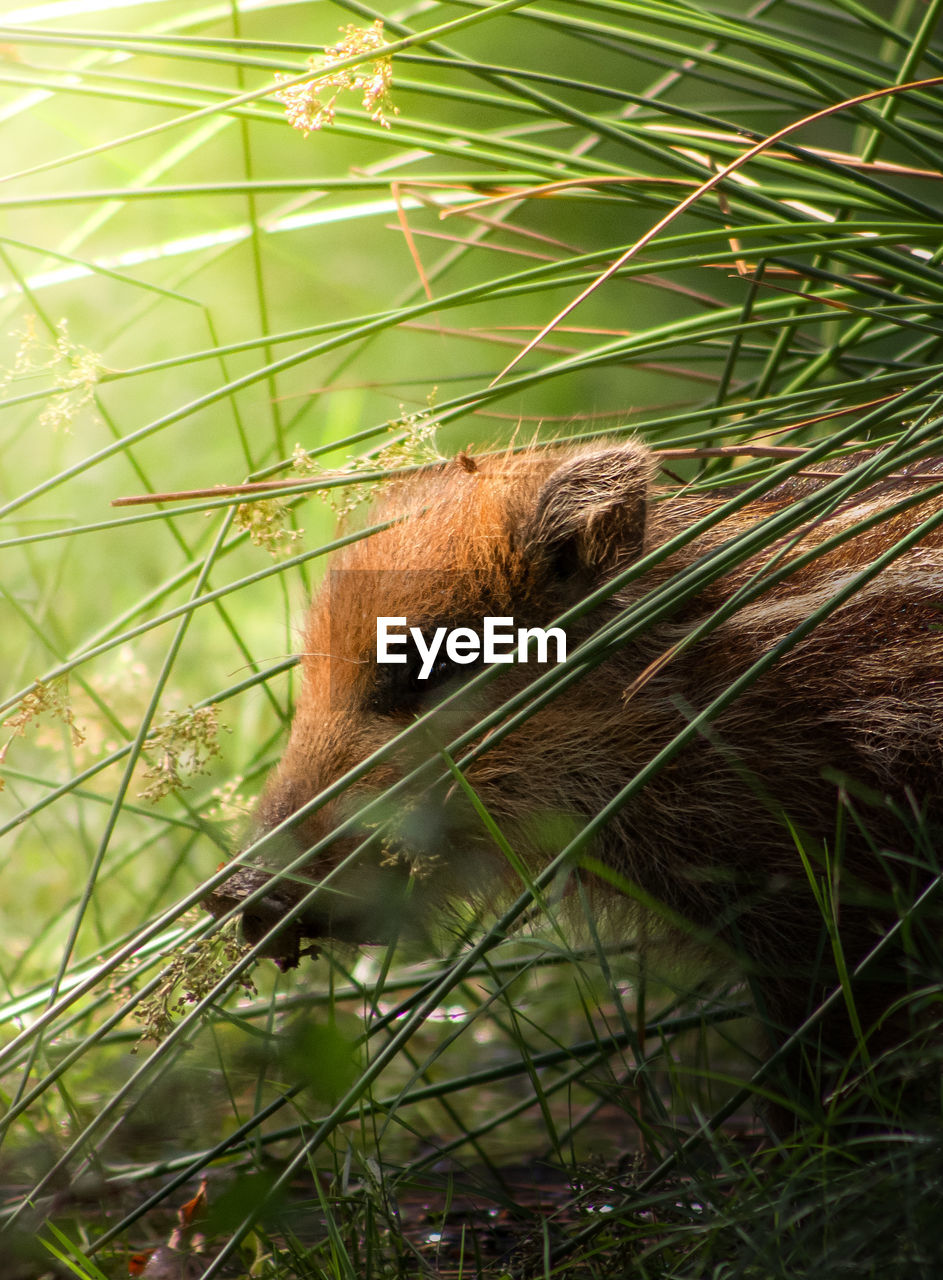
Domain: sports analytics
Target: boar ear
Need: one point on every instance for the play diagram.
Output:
(591, 511)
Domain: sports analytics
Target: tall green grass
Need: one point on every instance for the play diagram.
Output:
(194, 294)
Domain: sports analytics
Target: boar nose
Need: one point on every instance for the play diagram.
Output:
(284, 946)
(261, 917)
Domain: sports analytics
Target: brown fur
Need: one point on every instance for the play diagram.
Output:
(712, 836)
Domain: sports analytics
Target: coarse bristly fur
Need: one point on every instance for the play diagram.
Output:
(838, 747)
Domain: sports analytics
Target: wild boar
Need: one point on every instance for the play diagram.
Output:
(828, 766)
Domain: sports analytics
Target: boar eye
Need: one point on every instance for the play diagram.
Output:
(400, 687)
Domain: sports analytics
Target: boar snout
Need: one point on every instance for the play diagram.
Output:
(265, 918)
(362, 904)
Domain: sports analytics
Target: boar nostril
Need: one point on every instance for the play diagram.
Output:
(258, 921)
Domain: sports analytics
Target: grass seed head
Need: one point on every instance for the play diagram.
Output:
(310, 105)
